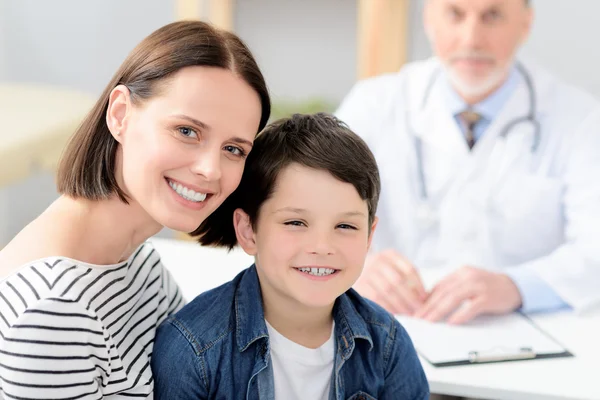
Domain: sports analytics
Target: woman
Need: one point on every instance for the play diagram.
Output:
(164, 146)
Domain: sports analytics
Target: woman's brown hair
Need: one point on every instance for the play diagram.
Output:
(87, 167)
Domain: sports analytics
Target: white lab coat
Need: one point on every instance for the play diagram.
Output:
(497, 207)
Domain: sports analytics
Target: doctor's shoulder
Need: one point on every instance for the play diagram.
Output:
(563, 100)
(372, 103)
(574, 103)
(571, 118)
(367, 100)
(378, 91)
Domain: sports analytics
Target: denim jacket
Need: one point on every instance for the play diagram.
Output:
(217, 347)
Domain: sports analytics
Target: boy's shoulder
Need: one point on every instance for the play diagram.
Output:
(211, 315)
(371, 312)
(380, 322)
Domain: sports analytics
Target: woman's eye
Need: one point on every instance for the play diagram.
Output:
(187, 132)
(236, 151)
(294, 223)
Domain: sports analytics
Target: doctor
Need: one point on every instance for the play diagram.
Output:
(490, 166)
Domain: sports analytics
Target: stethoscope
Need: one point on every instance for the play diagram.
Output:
(425, 212)
(530, 117)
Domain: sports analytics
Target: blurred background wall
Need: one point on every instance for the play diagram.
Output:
(306, 48)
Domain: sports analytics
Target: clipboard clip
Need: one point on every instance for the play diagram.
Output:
(501, 354)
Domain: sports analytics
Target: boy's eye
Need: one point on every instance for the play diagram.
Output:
(294, 223)
(187, 132)
(346, 226)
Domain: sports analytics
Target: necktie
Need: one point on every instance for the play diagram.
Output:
(470, 119)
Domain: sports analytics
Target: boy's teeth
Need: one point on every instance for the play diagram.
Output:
(187, 193)
(317, 271)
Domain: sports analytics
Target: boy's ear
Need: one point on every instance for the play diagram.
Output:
(244, 232)
(373, 226)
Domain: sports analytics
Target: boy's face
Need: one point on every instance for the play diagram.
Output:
(311, 238)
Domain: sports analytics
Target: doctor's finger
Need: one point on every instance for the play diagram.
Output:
(450, 281)
(410, 297)
(439, 307)
(402, 286)
(409, 274)
(391, 290)
(392, 302)
(469, 311)
(439, 293)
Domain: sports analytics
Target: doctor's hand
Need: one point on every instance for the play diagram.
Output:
(469, 292)
(391, 281)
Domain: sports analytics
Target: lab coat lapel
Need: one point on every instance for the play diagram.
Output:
(446, 140)
(468, 201)
(445, 152)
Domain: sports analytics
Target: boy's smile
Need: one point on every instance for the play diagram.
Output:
(317, 273)
(310, 239)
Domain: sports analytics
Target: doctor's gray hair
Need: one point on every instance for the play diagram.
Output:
(318, 141)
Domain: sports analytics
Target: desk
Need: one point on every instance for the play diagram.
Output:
(198, 269)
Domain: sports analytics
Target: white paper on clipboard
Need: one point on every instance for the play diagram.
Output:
(485, 339)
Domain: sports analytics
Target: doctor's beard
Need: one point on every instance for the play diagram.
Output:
(484, 85)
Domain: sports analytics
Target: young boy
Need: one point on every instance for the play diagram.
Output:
(290, 326)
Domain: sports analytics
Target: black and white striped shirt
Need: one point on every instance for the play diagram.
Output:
(70, 330)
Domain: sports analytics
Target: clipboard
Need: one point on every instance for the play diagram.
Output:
(487, 339)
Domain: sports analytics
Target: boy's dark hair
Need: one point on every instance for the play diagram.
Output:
(319, 141)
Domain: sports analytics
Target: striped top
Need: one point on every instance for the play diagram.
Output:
(71, 330)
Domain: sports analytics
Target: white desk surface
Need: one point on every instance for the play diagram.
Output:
(36, 124)
(197, 269)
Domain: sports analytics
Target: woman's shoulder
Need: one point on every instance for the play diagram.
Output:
(38, 281)
(58, 279)
(33, 317)
(44, 340)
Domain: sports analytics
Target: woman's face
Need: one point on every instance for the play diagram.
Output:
(182, 152)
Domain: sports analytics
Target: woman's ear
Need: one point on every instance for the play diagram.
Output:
(372, 232)
(244, 231)
(119, 105)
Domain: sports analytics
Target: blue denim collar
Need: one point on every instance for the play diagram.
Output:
(349, 325)
(249, 313)
(250, 317)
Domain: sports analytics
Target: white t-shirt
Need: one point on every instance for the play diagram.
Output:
(300, 372)
(74, 330)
